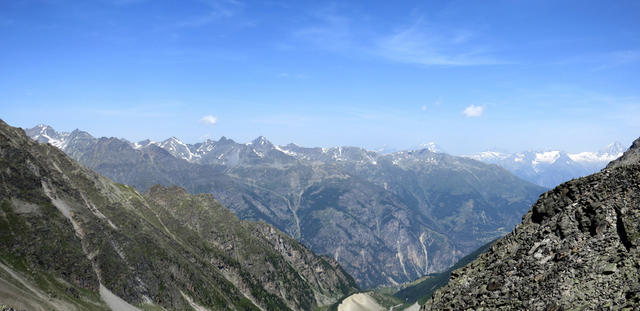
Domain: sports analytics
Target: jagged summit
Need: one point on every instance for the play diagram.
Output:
(630, 157)
(260, 141)
(225, 139)
(613, 148)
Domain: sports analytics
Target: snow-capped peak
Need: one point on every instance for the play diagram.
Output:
(177, 148)
(260, 141)
(46, 134)
(613, 149)
(431, 146)
(547, 157)
(607, 154)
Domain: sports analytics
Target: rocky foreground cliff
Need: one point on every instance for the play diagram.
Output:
(576, 249)
(71, 239)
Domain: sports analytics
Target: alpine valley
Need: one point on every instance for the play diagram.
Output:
(386, 218)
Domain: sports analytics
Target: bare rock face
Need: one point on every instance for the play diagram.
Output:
(576, 249)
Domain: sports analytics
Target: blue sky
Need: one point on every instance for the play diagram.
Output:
(469, 75)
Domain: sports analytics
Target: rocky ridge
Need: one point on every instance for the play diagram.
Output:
(576, 249)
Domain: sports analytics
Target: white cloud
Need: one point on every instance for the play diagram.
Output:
(209, 119)
(424, 108)
(473, 111)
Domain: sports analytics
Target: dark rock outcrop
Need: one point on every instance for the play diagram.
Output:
(576, 249)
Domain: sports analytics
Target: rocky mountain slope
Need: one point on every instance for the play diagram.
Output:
(552, 167)
(386, 218)
(71, 239)
(419, 291)
(576, 249)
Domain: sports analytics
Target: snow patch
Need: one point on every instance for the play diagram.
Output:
(258, 153)
(285, 151)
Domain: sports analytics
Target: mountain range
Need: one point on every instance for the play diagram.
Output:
(74, 240)
(550, 168)
(386, 218)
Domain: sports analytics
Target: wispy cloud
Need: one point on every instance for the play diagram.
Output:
(295, 76)
(209, 119)
(474, 111)
(416, 43)
(328, 31)
(216, 10)
(602, 61)
(420, 44)
(620, 58)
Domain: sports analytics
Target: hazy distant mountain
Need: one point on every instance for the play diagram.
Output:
(552, 167)
(576, 249)
(431, 146)
(386, 218)
(74, 240)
